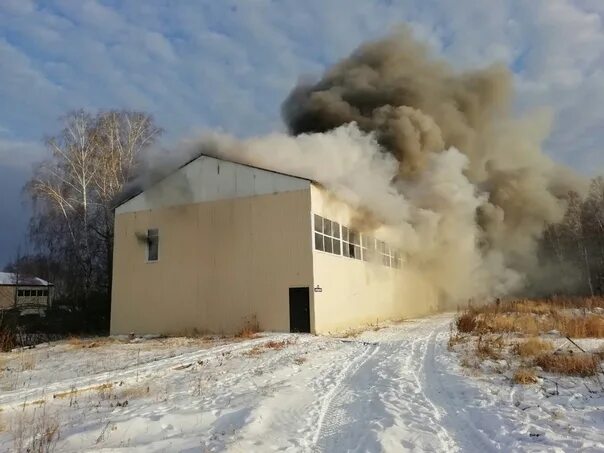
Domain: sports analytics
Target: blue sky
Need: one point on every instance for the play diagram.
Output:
(209, 64)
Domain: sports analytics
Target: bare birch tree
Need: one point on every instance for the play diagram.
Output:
(93, 157)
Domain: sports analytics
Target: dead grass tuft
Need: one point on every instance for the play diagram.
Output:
(255, 351)
(589, 326)
(300, 360)
(88, 343)
(531, 318)
(524, 376)
(276, 344)
(466, 322)
(569, 364)
(8, 339)
(132, 392)
(35, 431)
(532, 347)
(489, 347)
(27, 362)
(250, 329)
(455, 338)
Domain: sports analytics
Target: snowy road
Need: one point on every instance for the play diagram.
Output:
(396, 389)
(387, 392)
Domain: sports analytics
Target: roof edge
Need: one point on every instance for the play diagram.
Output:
(198, 156)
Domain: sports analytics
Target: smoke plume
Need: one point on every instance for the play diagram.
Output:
(434, 155)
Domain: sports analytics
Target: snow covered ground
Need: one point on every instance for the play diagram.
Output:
(394, 389)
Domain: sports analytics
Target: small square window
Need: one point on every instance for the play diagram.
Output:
(336, 246)
(335, 230)
(346, 249)
(344, 233)
(318, 223)
(327, 227)
(20, 292)
(319, 242)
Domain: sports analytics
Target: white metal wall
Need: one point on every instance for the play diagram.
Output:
(210, 179)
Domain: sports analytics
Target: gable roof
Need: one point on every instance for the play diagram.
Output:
(138, 190)
(10, 279)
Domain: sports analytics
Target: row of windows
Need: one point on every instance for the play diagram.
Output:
(32, 292)
(331, 237)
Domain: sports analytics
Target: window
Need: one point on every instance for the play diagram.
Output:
(327, 235)
(42, 292)
(21, 292)
(27, 293)
(152, 244)
(396, 260)
(368, 248)
(351, 245)
(384, 252)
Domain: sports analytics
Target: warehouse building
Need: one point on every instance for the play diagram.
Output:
(27, 294)
(218, 244)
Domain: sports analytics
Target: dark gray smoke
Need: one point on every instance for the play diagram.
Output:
(418, 106)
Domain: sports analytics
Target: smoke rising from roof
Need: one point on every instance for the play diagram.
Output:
(418, 106)
(433, 154)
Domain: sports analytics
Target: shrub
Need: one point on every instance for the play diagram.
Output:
(466, 322)
(532, 347)
(524, 376)
(489, 348)
(590, 326)
(569, 364)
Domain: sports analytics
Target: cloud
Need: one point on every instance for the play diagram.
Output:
(20, 153)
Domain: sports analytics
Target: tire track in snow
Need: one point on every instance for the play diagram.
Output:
(326, 411)
(140, 371)
(446, 395)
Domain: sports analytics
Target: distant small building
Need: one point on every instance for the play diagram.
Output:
(26, 293)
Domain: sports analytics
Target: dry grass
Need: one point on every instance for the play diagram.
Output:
(524, 376)
(589, 326)
(8, 339)
(35, 431)
(569, 364)
(489, 347)
(456, 338)
(532, 318)
(255, 351)
(299, 360)
(466, 322)
(132, 392)
(27, 362)
(88, 343)
(250, 329)
(276, 344)
(532, 347)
